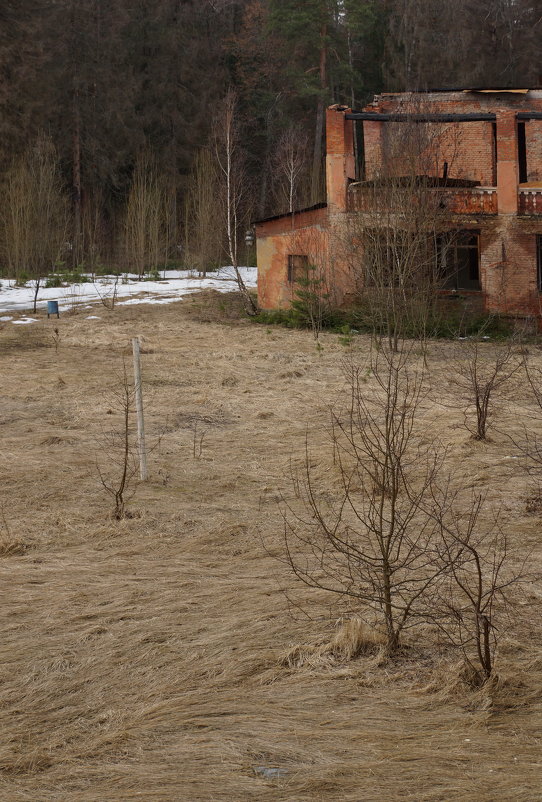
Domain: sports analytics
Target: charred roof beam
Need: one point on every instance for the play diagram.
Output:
(370, 116)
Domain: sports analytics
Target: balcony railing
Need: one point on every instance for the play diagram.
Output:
(455, 200)
(530, 201)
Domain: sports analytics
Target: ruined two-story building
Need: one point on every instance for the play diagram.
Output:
(477, 154)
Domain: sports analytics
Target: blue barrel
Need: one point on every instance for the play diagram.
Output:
(52, 308)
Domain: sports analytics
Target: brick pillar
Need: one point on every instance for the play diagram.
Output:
(507, 162)
(340, 161)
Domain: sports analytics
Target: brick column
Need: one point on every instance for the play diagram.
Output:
(507, 162)
(340, 162)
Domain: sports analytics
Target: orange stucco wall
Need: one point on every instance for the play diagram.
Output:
(304, 233)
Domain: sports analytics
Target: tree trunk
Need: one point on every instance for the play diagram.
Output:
(76, 180)
(319, 129)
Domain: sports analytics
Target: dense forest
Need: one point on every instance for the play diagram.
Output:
(112, 112)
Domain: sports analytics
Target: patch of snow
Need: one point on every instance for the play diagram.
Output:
(6, 317)
(24, 320)
(92, 317)
(177, 284)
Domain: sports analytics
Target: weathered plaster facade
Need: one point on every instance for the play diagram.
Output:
(489, 145)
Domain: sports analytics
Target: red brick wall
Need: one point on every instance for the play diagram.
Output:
(533, 137)
(468, 146)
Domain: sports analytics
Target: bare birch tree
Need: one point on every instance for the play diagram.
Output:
(234, 188)
(290, 168)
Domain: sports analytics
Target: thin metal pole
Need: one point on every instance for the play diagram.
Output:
(139, 410)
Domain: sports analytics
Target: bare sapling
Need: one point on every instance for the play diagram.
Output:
(363, 531)
(118, 461)
(108, 290)
(482, 370)
(477, 577)
(233, 185)
(529, 444)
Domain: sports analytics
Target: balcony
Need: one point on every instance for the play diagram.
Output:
(458, 200)
(530, 200)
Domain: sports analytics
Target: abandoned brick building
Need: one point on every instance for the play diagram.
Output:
(485, 176)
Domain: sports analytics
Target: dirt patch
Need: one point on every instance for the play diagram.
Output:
(169, 656)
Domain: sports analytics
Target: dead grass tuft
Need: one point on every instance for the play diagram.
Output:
(11, 546)
(351, 640)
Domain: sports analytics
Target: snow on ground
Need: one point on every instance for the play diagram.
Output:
(130, 290)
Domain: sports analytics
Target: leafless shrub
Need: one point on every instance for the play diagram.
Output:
(481, 371)
(529, 444)
(475, 582)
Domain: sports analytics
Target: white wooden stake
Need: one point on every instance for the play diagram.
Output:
(139, 410)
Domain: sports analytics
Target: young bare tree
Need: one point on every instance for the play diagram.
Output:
(233, 188)
(369, 535)
(477, 576)
(34, 216)
(482, 370)
(203, 245)
(145, 240)
(117, 460)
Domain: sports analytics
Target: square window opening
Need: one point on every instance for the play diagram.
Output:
(298, 267)
(458, 260)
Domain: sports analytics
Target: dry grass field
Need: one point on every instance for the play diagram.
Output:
(144, 659)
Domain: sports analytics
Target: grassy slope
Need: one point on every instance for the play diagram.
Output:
(141, 659)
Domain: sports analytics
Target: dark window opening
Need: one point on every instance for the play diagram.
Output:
(458, 260)
(359, 149)
(494, 153)
(539, 261)
(397, 259)
(522, 154)
(298, 267)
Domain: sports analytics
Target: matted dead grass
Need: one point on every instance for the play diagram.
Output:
(158, 658)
